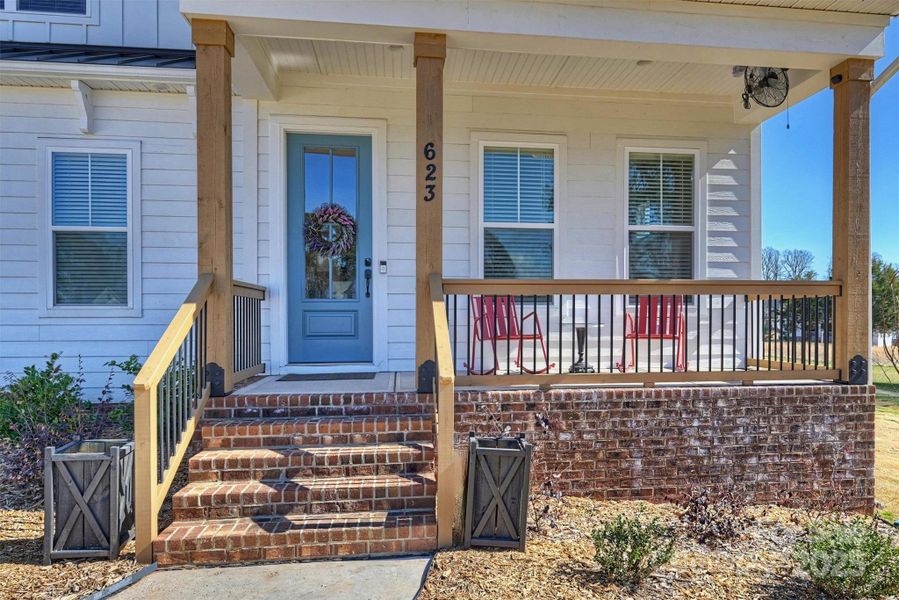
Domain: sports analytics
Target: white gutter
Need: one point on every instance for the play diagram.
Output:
(885, 76)
(26, 68)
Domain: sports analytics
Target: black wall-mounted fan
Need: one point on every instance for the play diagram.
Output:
(768, 86)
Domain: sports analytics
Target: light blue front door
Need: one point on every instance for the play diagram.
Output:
(329, 248)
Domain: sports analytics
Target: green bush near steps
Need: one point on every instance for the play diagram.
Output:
(628, 550)
(46, 407)
(850, 559)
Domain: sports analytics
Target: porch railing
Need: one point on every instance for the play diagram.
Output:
(171, 391)
(248, 299)
(620, 331)
(448, 480)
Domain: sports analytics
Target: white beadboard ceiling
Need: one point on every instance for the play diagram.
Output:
(872, 7)
(506, 68)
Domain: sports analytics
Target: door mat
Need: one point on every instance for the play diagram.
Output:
(326, 376)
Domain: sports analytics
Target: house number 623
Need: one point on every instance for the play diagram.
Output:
(430, 153)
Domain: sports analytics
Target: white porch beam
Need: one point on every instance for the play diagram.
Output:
(657, 30)
(85, 105)
(254, 75)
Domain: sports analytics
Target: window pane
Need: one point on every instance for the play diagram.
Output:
(71, 185)
(72, 7)
(109, 190)
(660, 188)
(660, 255)
(518, 185)
(91, 267)
(536, 186)
(518, 253)
(501, 185)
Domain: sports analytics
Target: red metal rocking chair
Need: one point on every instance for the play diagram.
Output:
(658, 318)
(495, 319)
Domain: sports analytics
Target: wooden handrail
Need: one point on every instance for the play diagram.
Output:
(150, 487)
(250, 290)
(449, 483)
(171, 339)
(544, 287)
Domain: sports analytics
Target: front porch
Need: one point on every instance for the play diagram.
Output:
(698, 335)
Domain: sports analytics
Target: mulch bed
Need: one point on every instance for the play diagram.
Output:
(559, 562)
(23, 575)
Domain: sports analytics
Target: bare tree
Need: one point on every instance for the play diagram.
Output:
(797, 265)
(771, 267)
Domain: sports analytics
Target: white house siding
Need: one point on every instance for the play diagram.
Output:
(138, 23)
(591, 213)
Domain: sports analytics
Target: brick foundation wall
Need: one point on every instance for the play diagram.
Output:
(656, 443)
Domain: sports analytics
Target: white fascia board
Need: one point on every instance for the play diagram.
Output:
(254, 76)
(70, 71)
(657, 30)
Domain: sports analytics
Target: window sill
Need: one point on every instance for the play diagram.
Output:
(86, 312)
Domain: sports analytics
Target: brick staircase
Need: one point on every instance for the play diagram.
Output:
(306, 476)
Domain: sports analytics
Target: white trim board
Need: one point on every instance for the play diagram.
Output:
(279, 126)
(45, 147)
(699, 148)
(478, 141)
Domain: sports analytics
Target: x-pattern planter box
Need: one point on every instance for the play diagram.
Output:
(88, 499)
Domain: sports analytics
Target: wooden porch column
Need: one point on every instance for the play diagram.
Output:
(851, 84)
(215, 47)
(430, 55)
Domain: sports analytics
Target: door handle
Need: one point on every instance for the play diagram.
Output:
(368, 283)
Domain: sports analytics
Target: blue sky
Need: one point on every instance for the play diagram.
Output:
(797, 171)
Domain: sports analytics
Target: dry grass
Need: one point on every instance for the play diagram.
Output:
(559, 563)
(886, 424)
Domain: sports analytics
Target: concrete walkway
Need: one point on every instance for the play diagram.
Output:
(378, 579)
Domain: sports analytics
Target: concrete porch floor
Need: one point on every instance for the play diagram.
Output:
(404, 381)
(382, 382)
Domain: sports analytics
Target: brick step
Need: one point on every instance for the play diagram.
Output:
(304, 496)
(310, 461)
(358, 534)
(259, 433)
(318, 405)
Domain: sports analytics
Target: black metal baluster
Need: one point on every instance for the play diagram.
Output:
(721, 351)
(469, 325)
(637, 338)
(495, 339)
(547, 335)
(687, 334)
(561, 302)
(793, 333)
(747, 341)
(826, 332)
(611, 332)
(711, 317)
(586, 329)
(573, 326)
(733, 341)
(534, 337)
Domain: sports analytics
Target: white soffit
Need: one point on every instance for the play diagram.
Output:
(871, 7)
(504, 68)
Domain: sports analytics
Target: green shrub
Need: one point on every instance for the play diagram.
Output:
(628, 550)
(46, 407)
(850, 559)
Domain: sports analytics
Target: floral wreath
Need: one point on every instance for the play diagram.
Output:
(336, 240)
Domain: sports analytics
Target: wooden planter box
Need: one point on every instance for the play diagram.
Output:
(496, 502)
(88, 499)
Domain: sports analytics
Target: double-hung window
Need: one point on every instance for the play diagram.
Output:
(519, 211)
(91, 255)
(661, 200)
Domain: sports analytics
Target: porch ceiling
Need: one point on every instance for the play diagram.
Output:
(464, 65)
(871, 7)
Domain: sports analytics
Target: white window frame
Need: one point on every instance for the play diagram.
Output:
(698, 229)
(479, 142)
(91, 15)
(131, 149)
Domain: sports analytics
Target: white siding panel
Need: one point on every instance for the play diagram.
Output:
(590, 215)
